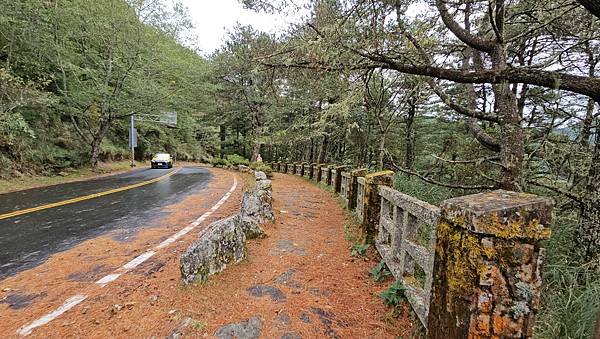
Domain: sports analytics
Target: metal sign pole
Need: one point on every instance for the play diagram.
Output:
(132, 142)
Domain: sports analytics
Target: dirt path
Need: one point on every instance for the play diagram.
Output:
(299, 282)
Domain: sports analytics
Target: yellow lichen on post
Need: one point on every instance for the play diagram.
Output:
(487, 265)
(372, 201)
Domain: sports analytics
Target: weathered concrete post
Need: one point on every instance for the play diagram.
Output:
(300, 169)
(326, 174)
(317, 172)
(291, 168)
(353, 186)
(487, 265)
(372, 201)
(283, 167)
(308, 170)
(336, 178)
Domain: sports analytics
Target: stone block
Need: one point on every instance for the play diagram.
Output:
(336, 177)
(502, 214)
(487, 265)
(372, 201)
(222, 245)
(317, 172)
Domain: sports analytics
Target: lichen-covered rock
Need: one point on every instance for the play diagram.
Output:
(260, 175)
(257, 204)
(222, 245)
(250, 227)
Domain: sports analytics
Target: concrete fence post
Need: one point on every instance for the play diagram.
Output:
(353, 186)
(299, 168)
(307, 170)
(336, 178)
(372, 201)
(326, 174)
(317, 172)
(487, 265)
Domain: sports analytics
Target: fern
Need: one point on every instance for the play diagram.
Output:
(380, 272)
(394, 295)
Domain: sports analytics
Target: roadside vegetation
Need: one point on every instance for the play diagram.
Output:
(456, 97)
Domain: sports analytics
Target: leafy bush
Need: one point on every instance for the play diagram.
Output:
(261, 166)
(216, 162)
(394, 295)
(235, 160)
(380, 271)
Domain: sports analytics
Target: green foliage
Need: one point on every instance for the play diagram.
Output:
(236, 160)
(219, 162)
(570, 296)
(198, 325)
(380, 272)
(430, 193)
(359, 250)
(100, 63)
(261, 166)
(394, 295)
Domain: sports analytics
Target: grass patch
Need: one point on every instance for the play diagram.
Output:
(353, 229)
(570, 296)
(197, 325)
(26, 182)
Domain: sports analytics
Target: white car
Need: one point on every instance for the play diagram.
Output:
(162, 160)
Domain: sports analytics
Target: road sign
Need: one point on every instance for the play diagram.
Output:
(133, 141)
(168, 118)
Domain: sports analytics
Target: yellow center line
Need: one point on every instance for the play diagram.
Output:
(85, 197)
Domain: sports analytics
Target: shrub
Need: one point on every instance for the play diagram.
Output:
(236, 159)
(216, 162)
(261, 166)
(394, 295)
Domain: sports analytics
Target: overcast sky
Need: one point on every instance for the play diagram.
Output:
(213, 18)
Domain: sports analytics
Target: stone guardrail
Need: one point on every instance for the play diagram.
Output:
(223, 243)
(360, 197)
(471, 267)
(406, 242)
(344, 187)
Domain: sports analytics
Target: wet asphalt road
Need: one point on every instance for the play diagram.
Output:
(29, 239)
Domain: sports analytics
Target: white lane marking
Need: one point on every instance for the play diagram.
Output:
(69, 304)
(73, 301)
(109, 278)
(138, 260)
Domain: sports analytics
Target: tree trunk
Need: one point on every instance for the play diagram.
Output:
(409, 138)
(592, 6)
(323, 151)
(512, 145)
(587, 235)
(381, 154)
(255, 151)
(97, 141)
(222, 135)
(586, 125)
